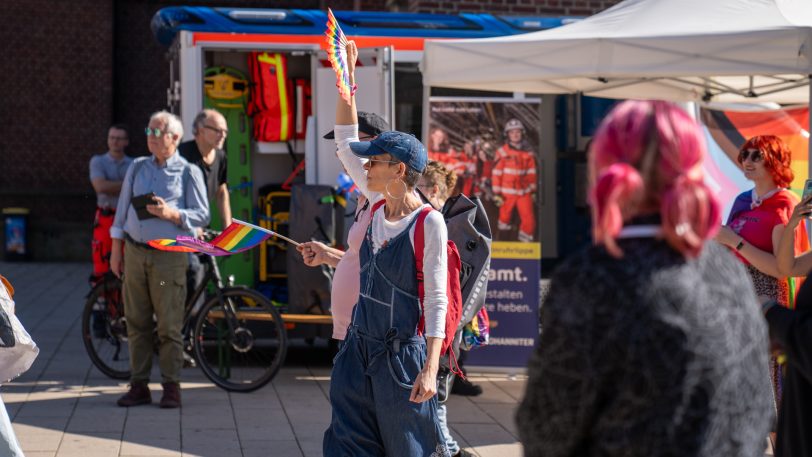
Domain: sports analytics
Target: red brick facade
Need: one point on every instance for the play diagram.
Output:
(72, 68)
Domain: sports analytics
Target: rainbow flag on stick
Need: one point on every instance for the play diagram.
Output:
(237, 237)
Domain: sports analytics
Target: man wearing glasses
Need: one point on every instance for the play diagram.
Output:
(206, 151)
(162, 196)
(106, 174)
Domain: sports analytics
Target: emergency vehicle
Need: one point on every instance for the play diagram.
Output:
(203, 39)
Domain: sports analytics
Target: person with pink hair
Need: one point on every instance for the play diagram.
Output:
(653, 342)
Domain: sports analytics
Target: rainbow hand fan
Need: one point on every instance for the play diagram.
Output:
(237, 237)
(337, 55)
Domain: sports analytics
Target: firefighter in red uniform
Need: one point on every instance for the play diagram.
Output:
(485, 149)
(465, 168)
(439, 149)
(514, 181)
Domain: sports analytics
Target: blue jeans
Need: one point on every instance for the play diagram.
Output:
(442, 419)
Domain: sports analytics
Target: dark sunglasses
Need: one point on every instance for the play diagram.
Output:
(754, 154)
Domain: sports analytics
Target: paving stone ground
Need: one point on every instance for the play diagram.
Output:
(64, 407)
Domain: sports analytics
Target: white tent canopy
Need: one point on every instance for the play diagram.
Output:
(682, 50)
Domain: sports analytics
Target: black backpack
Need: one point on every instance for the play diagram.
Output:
(470, 230)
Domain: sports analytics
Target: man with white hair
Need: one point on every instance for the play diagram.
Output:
(162, 196)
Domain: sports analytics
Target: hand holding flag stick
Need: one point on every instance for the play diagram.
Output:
(342, 63)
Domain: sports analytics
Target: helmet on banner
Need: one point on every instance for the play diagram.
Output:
(513, 124)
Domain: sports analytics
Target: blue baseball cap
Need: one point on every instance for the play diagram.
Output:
(402, 146)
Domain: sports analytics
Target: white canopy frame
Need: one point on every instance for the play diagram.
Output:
(688, 50)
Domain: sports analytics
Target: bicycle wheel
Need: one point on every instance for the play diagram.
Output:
(104, 329)
(240, 341)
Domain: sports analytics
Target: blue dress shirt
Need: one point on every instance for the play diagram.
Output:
(186, 193)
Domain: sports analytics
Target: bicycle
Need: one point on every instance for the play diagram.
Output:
(237, 337)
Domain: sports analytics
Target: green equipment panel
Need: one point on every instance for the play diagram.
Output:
(226, 90)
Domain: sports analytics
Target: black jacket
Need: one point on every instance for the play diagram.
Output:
(649, 355)
(793, 330)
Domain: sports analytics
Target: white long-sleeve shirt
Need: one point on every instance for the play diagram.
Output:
(435, 258)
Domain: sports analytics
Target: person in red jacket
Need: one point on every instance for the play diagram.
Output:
(514, 181)
(439, 149)
(465, 169)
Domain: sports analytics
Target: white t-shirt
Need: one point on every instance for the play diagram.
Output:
(435, 257)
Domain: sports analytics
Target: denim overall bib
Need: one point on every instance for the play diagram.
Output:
(381, 356)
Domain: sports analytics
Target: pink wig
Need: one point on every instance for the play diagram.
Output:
(647, 157)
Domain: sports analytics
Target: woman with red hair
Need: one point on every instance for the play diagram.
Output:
(758, 220)
(653, 342)
(759, 216)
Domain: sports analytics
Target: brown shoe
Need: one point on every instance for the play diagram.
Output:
(137, 395)
(171, 397)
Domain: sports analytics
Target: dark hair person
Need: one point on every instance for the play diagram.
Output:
(653, 343)
(791, 333)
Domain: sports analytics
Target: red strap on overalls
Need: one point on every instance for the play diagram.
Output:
(419, 244)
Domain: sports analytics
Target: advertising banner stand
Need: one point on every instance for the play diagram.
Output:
(493, 144)
(513, 306)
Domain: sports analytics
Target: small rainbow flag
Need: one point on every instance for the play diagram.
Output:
(240, 236)
(169, 245)
(337, 55)
(237, 237)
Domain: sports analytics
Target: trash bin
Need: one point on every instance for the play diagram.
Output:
(16, 233)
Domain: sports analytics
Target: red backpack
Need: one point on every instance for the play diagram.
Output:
(453, 289)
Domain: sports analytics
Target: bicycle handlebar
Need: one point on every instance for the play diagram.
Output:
(209, 234)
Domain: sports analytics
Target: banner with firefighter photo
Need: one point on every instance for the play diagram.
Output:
(492, 144)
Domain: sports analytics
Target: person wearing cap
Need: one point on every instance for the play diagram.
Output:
(384, 377)
(346, 283)
(514, 181)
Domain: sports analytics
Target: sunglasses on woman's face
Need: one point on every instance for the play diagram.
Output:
(753, 154)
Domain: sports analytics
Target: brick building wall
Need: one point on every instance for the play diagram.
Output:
(70, 69)
(56, 79)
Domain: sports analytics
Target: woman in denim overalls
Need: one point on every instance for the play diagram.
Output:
(385, 375)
